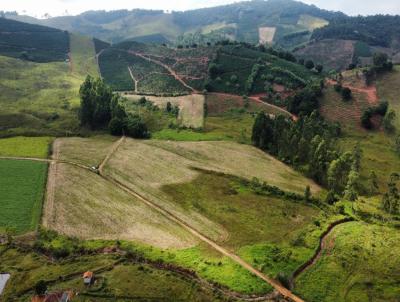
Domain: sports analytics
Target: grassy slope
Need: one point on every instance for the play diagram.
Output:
(25, 146)
(43, 98)
(262, 229)
(87, 151)
(378, 147)
(361, 264)
(83, 55)
(82, 197)
(22, 188)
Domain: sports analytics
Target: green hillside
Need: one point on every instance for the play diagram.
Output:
(240, 21)
(32, 42)
(41, 97)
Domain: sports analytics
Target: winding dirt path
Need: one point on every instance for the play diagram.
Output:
(323, 245)
(275, 284)
(370, 91)
(170, 70)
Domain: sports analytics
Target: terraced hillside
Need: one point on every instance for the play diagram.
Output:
(233, 68)
(150, 69)
(241, 69)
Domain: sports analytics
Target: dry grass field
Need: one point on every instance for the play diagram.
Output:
(266, 34)
(86, 151)
(191, 108)
(84, 205)
(311, 22)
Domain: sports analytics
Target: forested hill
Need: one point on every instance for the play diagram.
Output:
(32, 42)
(380, 30)
(243, 21)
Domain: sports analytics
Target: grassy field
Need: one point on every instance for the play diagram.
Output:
(22, 187)
(37, 98)
(361, 264)
(311, 22)
(25, 146)
(42, 98)
(87, 151)
(83, 55)
(84, 205)
(386, 91)
(272, 245)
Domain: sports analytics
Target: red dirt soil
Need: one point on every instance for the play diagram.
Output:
(370, 91)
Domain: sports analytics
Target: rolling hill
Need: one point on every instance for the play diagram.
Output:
(288, 22)
(41, 71)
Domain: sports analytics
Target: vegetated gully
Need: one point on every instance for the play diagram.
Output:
(275, 284)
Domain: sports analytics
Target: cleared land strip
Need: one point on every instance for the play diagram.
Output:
(281, 289)
(110, 153)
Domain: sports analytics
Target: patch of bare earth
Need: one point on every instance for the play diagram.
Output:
(266, 34)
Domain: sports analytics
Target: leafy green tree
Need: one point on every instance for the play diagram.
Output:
(40, 288)
(136, 128)
(319, 68)
(391, 199)
(351, 191)
(169, 107)
(373, 183)
(346, 94)
(309, 64)
(307, 193)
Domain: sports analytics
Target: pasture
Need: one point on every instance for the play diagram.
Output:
(83, 56)
(25, 146)
(39, 99)
(21, 194)
(360, 264)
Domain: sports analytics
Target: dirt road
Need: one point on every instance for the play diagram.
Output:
(275, 284)
(170, 70)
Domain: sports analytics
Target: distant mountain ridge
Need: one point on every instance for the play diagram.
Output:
(240, 21)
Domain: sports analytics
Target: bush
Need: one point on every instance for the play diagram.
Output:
(346, 94)
(40, 288)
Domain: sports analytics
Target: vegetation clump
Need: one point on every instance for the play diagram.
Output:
(101, 108)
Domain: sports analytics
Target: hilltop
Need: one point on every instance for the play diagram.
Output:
(283, 22)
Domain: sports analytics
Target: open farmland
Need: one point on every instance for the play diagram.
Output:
(84, 205)
(21, 194)
(25, 146)
(360, 264)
